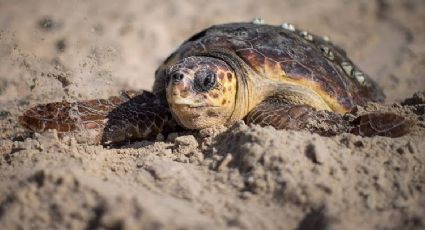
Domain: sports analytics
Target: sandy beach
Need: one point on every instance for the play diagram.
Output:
(238, 177)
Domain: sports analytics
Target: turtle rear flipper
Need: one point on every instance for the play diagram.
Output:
(380, 124)
(303, 117)
(117, 119)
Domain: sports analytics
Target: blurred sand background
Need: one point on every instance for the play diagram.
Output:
(72, 50)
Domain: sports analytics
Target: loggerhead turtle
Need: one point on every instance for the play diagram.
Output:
(265, 74)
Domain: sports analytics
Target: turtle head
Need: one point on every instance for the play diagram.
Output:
(201, 91)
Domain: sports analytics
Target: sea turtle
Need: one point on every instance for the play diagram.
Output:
(265, 74)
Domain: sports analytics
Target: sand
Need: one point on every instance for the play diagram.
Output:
(238, 177)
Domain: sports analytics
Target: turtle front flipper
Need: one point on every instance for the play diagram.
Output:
(142, 117)
(296, 117)
(380, 124)
(114, 120)
(282, 115)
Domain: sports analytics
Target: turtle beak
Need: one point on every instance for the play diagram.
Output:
(188, 102)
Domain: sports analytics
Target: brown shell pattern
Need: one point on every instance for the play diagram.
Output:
(289, 55)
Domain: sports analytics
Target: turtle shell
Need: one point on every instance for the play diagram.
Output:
(285, 54)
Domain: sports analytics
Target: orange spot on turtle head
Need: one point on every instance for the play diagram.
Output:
(214, 95)
(229, 76)
(221, 76)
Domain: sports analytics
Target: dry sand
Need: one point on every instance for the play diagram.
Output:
(242, 177)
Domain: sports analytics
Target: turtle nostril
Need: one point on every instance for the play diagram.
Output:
(177, 77)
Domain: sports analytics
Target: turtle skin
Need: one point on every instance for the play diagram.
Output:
(305, 76)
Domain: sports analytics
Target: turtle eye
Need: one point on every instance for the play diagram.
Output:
(204, 81)
(177, 77)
